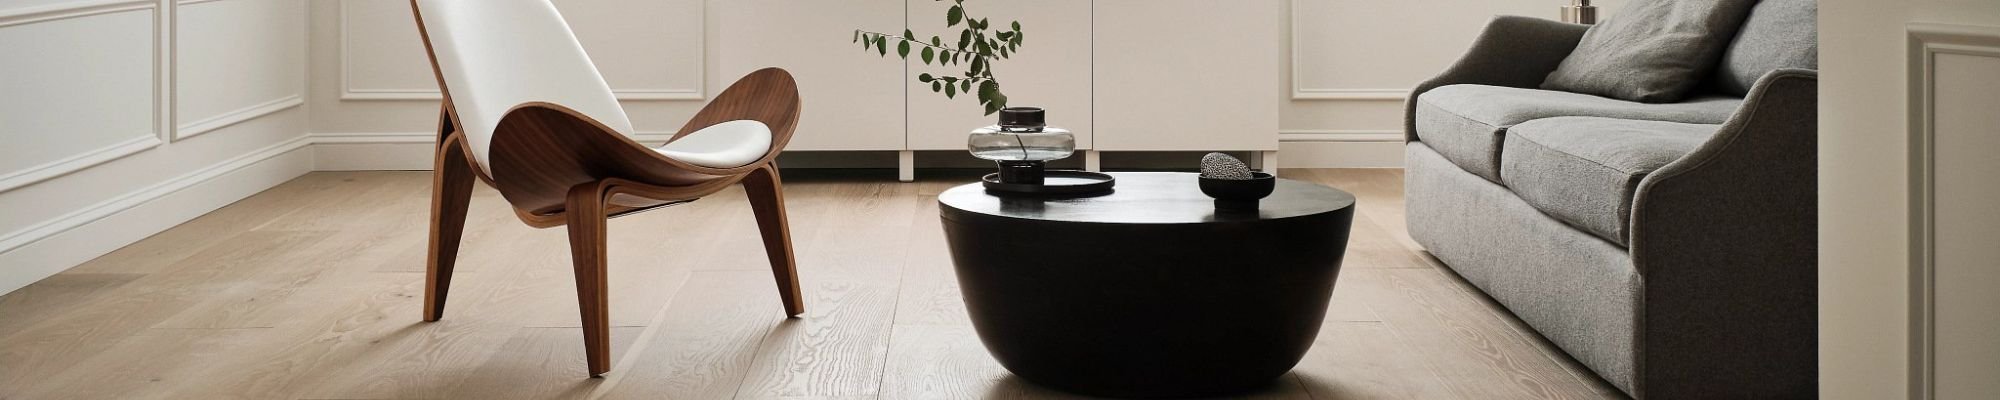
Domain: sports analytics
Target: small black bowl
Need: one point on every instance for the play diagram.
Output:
(1239, 194)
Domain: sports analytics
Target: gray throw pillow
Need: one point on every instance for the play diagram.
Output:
(1779, 34)
(1654, 51)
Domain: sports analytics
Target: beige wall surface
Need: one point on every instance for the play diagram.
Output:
(1864, 189)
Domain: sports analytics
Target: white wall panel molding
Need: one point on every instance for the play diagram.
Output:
(42, 89)
(227, 65)
(165, 37)
(97, 84)
(1952, 69)
(12, 240)
(1302, 92)
(687, 66)
(46, 171)
(29, 15)
(254, 111)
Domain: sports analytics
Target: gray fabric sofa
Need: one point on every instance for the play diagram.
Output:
(1671, 248)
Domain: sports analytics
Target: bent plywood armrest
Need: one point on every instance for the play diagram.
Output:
(544, 149)
(768, 95)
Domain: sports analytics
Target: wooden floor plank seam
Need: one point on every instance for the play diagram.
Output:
(624, 364)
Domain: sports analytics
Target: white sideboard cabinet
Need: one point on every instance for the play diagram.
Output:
(1125, 75)
(1052, 70)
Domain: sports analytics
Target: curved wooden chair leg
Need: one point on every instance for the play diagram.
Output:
(451, 194)
(767, 199)
(585, 209)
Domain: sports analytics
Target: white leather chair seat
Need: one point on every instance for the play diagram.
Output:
(725, 145)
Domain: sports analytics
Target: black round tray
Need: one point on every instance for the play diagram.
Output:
(1054, 183)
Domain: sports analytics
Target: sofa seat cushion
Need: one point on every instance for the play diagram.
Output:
(1467, 123)
(1585, 170)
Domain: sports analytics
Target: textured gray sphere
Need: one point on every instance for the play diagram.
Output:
(1222, 166)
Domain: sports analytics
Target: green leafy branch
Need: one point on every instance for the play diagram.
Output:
(977, 47)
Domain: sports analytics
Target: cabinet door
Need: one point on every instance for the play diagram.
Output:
(1052, 71)
(1187, 74)
(852, 101)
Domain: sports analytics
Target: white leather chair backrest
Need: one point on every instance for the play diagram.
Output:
(497, 54)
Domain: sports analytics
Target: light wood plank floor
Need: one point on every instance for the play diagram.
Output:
(311, 290)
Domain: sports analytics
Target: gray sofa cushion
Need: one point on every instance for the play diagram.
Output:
(1582, 293)
(1467, 123)
(1653, 51)
(1778, 34)
(1585, 170)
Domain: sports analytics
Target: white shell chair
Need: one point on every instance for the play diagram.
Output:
(526, 112)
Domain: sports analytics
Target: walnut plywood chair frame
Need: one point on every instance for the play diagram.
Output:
(512, 126)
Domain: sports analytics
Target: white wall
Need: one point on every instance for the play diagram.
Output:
(1865, 240)
(123, 118)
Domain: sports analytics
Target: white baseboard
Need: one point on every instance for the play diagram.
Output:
(66, 241)
(1341, 149)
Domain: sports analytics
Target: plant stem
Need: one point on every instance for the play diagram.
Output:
(985, 72)
(921, 43)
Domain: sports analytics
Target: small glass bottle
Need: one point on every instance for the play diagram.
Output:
(1022, 144)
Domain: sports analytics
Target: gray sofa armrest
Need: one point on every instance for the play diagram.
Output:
(1725, 240)
(1513, 51)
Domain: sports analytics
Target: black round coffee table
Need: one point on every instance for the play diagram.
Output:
(1148, 291)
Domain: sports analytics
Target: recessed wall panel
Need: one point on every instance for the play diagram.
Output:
(1966, 92)
(237, 59)
(74, 90)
